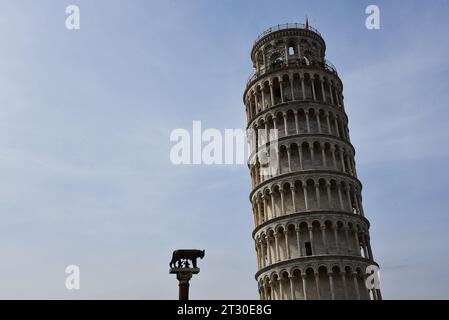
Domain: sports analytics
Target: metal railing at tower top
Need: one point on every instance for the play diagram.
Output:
(287, 26)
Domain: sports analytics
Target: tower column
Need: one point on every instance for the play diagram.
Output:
(303, 89)
(298, 241)
(323, 235)
(281, 192)
(337, 249)
(263, 98)
(318, 121)
(334, 159)
(292, 287)
(317, 193)
(284, 115)
(331, 284)
(307, 121)
(282, 90)
(276, 245)
(291, 88)
(296, 122)
(330, 93)
(345, 287)
(306, 202)
(304, 285)
(356, 286)
(293, 191)
(287, 249)
(273, 206)
(337, 133)
(329, 129)
(313, 88)
(340, 199)
(312, 243)
(300, 157)
(317, 283)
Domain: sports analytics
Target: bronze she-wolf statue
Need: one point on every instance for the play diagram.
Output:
(180, 258)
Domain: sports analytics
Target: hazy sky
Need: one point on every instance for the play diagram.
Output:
(86, 116)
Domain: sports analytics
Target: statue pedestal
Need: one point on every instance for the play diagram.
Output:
(184, 270)
(184, 275)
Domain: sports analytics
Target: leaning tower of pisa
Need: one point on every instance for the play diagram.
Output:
(311, 234)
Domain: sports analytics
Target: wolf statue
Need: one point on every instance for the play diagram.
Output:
(181, 258)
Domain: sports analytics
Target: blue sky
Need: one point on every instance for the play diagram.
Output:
(86, 116)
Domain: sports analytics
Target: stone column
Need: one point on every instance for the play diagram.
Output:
(296, 122)
(331, 284)
(273, 206)
(330, 91)
(312, 243)
(265, 207)
(293, 191)
(337, 249)
(300, 157)
(359, 200)
(365, 251)
(259, 266)
(270, 261)
(317, 282)
(304, 285)
(287, 249)
(349, 165)
(276, 244)
(356, 202)
(368, 244)
(317, 193)
(342, 161)
(292, 287)
(345, 287)
(329, 195)
(357, 241)
(312, 155)
(348, 195)
(263, 98)
(353, 165)
(340, 199)
(256, 102)
(284, 115)
(281, 192)
(334, 159)
(318, 121)
(329, 129)
(282, 91)
(298, 240)
(323, 235)
(356, 285)
(322, 90)
(313, 89)
(306, 202)
(307, 121)
(271, 93)
(337, 132)
(303, 89)
(289, 159)
(323, 155)
(260, 212)
(291, 88)
(346, 230)
(281, 289)
(184, 284)
(265, 291)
